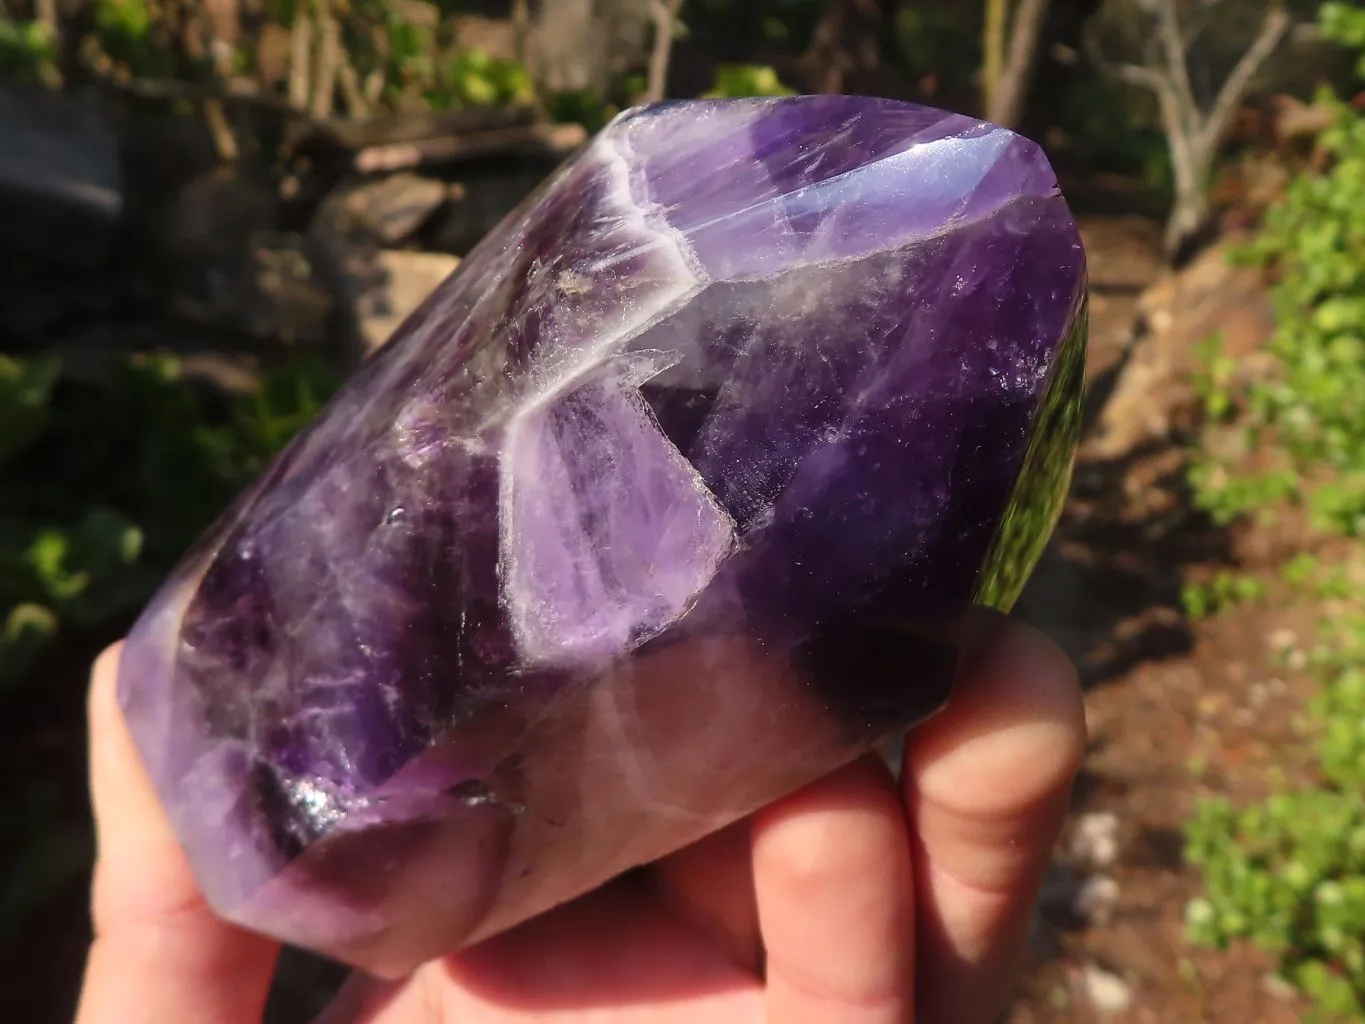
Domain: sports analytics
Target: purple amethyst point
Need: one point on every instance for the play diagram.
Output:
(663, 505)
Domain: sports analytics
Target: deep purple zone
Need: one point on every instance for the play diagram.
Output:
(856, 381)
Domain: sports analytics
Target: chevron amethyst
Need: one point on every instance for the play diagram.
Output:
(663, 505)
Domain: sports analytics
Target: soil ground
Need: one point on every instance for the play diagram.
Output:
(1175, 710)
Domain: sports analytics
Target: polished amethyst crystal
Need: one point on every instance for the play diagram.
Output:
(663, 505)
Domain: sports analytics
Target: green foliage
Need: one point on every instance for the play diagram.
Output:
(27, 53)
(1288, 873)
(939, 39)
(136, 38)
(1315, 403)
(735, 81)
(1226, 495)
(1227, 588)
(414, 60)
(1306, 575)
(106, 485)
(425, 63)
(25, 394)
(1292, 882)
(1345, 23)
(472, 78)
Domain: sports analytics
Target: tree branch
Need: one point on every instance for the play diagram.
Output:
(665, 14)
(1026, 32)
(1167, 95)
(1177, 65)
(1273, 30)
(300, 57)
(356, 103)
(328, 59)
(993, 45)
(1133, 74)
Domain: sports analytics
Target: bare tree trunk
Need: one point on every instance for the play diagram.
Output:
(1009, 73)
(993, 51)
(665, 14)
(521, 27)
(1194, 136)
(300, 60)
(328, 58)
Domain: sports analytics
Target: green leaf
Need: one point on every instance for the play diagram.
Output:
(736, 81)
(25, 397)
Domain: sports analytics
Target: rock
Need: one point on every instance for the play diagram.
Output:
(395, 207)
(1280, 989)
(1095, 839)
(228, 267)
(396, 284)
(1282, 639)
(61, 194)
(1094, 901)
(1107, 992)
(1154, 391)
(633, 527)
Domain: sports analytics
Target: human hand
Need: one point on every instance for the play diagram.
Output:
(859, 900)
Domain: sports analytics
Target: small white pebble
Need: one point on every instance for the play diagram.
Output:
(1095, 899)
(1278, 988)
(1107, 992)
(1283, 638)
(1095, 839)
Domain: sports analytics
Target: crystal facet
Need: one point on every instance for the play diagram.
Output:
(660, 507)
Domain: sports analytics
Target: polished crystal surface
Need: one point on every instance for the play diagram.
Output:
(663, 505)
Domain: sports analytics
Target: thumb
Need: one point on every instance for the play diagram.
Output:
(160, 953)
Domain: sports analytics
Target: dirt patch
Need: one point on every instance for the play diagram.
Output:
(1177, 709)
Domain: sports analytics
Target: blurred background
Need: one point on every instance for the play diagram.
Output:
(211, 210)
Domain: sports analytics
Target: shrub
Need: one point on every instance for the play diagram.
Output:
(106, 484)
(1288, 873)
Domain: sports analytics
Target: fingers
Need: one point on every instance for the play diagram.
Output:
(160, 954)
(710, 885)
(833, 882)
(987, 784)
(615, 956)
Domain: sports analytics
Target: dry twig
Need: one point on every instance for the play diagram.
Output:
(300, 60)
(1010, 57)
(665, 15)
(328, 61)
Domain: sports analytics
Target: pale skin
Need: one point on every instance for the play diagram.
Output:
(859, 900)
